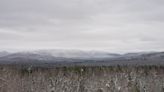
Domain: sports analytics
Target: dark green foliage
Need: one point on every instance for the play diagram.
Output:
(26, 71)
(135, 88)
(162, 90)
(83, 69)
(99, 90)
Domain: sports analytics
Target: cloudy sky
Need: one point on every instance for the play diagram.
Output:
(108, 25)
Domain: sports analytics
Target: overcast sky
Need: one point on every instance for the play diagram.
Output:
(108, 25)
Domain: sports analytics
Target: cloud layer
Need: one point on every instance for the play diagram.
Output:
(110, 25)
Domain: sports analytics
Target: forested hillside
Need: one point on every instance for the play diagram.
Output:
(82, 79)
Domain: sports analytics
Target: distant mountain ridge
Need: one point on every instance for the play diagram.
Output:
(77, 54)
(80, 57)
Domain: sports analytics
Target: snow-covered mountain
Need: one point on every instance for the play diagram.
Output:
(4, 53)
(46, 56)
(72, 56)
(77, 54)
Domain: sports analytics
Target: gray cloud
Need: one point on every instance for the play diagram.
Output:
(113, 25)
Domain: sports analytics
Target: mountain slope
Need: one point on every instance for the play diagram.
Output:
(67, 57)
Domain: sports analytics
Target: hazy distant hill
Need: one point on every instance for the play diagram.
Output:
(68, 57)
(77, 54)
